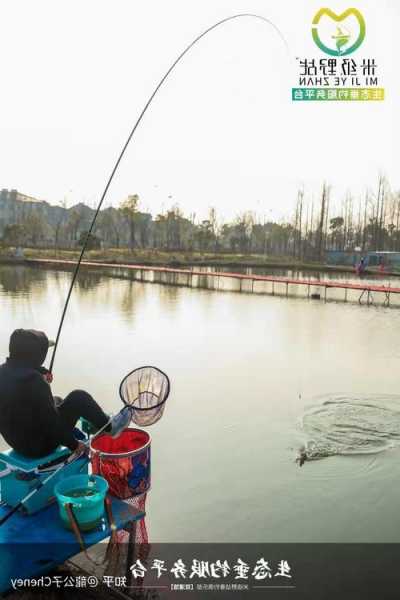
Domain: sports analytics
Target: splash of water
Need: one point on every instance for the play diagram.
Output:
(343, 425)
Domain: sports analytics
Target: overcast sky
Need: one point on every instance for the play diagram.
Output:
(223, 131)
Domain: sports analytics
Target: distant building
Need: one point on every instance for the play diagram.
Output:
(374, 258)
(14, 195)
(385, 258)
(341, 257)
(48, 225)
(16, 207)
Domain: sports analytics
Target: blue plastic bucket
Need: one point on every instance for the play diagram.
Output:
(86, 494)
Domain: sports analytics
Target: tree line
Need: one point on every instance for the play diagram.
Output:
(370, 222)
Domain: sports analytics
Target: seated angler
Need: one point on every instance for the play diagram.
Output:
(31, 421)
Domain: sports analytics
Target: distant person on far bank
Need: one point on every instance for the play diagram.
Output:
(361, 266)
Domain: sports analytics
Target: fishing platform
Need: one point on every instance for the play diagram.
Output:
(54, 508)
(34, 540)
(364, 292)
(31, 546)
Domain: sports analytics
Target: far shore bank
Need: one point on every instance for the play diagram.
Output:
(176, 259)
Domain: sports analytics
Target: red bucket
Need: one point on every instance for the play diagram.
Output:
(124, 462)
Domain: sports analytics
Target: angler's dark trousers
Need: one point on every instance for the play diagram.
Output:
(79, 404)
(76, 405)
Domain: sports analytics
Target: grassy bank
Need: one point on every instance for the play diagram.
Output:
(151, 257)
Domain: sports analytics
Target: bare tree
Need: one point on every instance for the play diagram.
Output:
(60, 220)
(320, 233)
(129, 209)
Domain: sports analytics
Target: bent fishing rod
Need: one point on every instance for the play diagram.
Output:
(125, 146)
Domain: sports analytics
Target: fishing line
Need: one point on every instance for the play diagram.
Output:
(144, 110)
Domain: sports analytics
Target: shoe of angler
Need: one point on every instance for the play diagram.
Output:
(120, 421)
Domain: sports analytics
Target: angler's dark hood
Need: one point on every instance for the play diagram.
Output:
(29, 347)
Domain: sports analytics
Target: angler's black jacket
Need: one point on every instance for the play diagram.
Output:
(29, 421)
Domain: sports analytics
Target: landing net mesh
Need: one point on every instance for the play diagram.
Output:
(145, 390)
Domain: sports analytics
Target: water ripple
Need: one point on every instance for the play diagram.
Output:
(343, 425)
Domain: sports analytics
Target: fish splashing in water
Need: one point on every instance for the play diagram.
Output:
(342, 425)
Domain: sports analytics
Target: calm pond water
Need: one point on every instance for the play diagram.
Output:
(253, 379)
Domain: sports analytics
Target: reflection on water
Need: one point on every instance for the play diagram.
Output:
(240, 367)
(88, 281)
(340, 425)
(17, 280)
